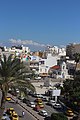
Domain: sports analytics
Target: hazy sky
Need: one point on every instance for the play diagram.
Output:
(55, 22)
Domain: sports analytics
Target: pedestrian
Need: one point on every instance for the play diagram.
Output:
(16, 101)
(22, 113)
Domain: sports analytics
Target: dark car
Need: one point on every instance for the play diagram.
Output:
(25, 100)
(47, 118)
(20, 98)
(36, 108)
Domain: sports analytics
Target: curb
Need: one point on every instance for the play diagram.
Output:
(28, 111)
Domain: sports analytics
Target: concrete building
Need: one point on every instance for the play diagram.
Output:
(55, 50)
(59, 71)
(45, 64)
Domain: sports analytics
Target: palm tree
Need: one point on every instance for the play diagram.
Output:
(12, 72)
(77, 57)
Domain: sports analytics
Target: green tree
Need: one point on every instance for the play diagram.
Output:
(77, 59)
(58, 116)
(12, 73)
(72, 95)
(72, 90)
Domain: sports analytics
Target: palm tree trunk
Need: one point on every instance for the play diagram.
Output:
(3, 99)
(75, 70)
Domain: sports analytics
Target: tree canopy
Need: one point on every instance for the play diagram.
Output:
(12, 72)
(58, 116)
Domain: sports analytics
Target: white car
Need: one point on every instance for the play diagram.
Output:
(51, 102)
(43, 113)
(31, 104)
(5, 117)
(57, 106)
(37, 78)
(45, 98)
(27, 79)
(40, 96)
(36, 95)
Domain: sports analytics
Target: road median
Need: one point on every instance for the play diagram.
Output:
(28, 109)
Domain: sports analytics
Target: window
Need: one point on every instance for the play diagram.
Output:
(40, 70)
(59, 73)
(45, 70)
(63, 67)
(41, 62)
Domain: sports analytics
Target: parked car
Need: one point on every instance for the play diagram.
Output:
(31, 104)
(43, 113)
(51, 103)
(57, 106)
(69, 112)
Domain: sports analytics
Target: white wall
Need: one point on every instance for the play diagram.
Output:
(49, 62)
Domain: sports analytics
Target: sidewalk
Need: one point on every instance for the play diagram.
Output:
(30, 110)
(1, 112)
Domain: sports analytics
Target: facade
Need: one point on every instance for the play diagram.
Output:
(45, 64)
(55, 50)
(41, 66)
(41, 62)
(78, 67)
(71, 67)
(59, 71)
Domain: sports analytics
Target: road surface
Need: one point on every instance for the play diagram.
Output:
(19, 110)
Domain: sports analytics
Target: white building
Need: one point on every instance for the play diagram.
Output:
(57, 50)
(62, 52)
(45, 64)
(19, 49)
(59, 71)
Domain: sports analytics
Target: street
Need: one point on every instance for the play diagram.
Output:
(19, 110)
(30, 115)
(48, 108)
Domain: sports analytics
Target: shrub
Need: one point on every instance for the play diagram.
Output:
(58, 116)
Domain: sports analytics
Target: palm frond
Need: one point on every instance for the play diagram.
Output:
(13, 71)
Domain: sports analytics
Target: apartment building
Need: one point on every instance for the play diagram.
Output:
(45, 64)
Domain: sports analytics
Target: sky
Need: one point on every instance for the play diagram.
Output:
(39, 22)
